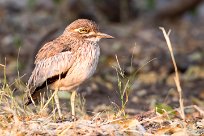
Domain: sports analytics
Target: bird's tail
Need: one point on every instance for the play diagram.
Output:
(28, 102)
(33, 95)
(30, 92)
(28, 96)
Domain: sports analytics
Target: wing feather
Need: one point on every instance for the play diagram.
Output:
(50, 67)
(53, 59)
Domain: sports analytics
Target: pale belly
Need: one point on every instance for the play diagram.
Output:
(82, 69)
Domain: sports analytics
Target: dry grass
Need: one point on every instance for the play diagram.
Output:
(176, 77)
(15, 119)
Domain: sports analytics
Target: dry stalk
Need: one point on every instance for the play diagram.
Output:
(48, 101)
(2, 65)
(176, 77)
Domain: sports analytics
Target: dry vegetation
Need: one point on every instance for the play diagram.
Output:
(15, 119)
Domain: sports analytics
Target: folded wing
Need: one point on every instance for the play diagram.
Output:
(52, 62)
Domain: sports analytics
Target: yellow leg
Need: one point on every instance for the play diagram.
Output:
(72, 102)
(57, 104)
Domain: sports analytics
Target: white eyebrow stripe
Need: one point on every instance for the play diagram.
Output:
(76, 30)
(92, 33)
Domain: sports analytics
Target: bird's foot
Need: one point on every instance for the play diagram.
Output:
(61, 119)
(74, 118)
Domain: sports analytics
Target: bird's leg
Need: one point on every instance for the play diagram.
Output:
(57, 103)
(72, 102)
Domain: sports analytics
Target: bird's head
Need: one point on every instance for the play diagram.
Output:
(85, 29)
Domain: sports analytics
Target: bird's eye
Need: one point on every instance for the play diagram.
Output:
(83, 30)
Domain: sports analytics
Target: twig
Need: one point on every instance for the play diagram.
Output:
(176, 77)
(48, 101)
(199, 109)
(2, 65)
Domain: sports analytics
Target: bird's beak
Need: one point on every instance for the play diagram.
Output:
(103, 35)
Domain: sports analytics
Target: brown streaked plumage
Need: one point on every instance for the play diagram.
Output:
(67, 61)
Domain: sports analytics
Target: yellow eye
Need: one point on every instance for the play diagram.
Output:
(83, 30)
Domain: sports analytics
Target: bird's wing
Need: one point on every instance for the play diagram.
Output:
(61, 44)
(53, 60)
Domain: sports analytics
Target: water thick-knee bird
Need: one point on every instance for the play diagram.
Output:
(67, 61)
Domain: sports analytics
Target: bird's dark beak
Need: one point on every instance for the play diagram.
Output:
(103, 35)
